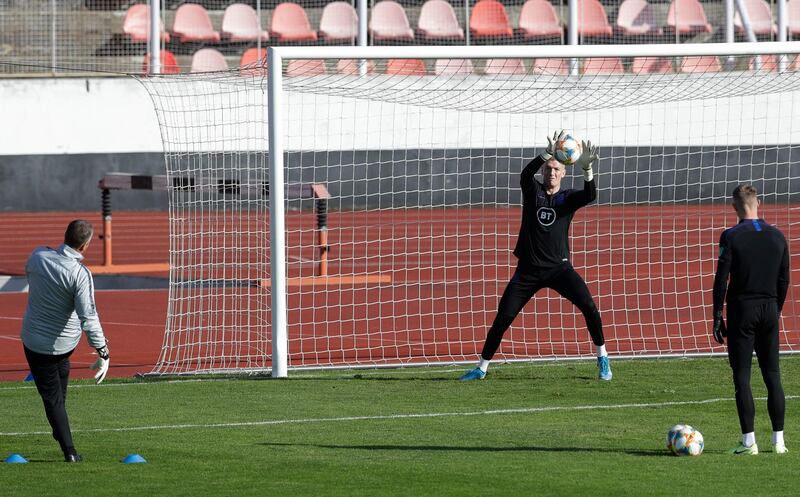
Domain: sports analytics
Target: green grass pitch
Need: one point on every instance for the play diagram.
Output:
(527, 429)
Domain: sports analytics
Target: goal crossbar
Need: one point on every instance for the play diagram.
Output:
(534, 51)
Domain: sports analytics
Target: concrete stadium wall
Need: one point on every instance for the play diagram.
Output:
(58, 137)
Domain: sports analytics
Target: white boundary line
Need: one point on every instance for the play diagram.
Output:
(274, 422)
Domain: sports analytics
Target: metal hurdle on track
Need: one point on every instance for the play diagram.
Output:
(127, 181)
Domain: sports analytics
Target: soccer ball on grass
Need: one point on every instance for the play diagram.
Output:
(567, 150)
(683, 440)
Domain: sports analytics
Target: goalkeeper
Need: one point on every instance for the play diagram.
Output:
(543, 251)
(60, 306)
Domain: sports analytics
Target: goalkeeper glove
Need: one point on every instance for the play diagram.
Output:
(551, 144)
(588, 156)
(101, 364)
(720, 331)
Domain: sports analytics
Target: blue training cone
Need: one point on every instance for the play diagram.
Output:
(15, 459)
(133, 459)
(29, 377)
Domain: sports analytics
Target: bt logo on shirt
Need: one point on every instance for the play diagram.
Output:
(546, 216)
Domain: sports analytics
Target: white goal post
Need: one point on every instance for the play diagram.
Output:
(390, 241)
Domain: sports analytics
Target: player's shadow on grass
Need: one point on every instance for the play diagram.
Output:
(453, 448)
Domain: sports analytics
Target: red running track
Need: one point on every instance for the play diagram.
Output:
(649, 267)
(132, 320)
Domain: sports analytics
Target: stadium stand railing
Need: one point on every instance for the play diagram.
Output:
(61, 38)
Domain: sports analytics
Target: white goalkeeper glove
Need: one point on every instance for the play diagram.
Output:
(588, 156)
(101, 365)
(551, 144)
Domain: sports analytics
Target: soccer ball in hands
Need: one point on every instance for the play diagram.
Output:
(567, 150)
(683, 440)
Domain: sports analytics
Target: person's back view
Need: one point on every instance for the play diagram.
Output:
(755, 256)
(60, 308)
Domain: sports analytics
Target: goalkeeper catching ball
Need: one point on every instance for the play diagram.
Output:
(543, 251)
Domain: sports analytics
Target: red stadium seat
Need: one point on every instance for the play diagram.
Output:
(290, 23)
(192, 24)
(253, 62)
(760, 15)
(488, 19)
(438, 21)
(603, 65)
(169, 64)
(636, 18)
(701, 64)
(136, 25)
(240, 23)
(339, 22)
(651, 65)
(208, 60)
(406, 67)
(301, 67)
(538, 19)
(504, 66)
(551, 66)
(350, 66)
(769, 63)
(592, 19)
(453, 67)
(687, 17)
(793, 13)
(389, 22)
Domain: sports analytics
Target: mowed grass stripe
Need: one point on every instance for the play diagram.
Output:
(527, 410)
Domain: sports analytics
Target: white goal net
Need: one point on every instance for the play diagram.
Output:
(399, 200)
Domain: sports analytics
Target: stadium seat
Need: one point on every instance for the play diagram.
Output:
(592, 19)
(538, 19)
(504, 66)
(793, 13)
(339, 22)
(603, 65)
(703, 63)
(389, 22)
(240, 23)
(406, 67)
(438, 21)
(651, 65)
(350, 67)
(290, 23)
(551, 66)
(488, 19)
(136, 25)
(760, 15)
(192, 24)
(208, 60)
(636, 18)
(769, 63)
(691, 17)
(169, 64)
(453, 67)
(253, 62)
(311, 67)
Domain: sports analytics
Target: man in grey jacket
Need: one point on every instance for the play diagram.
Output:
(60, 307)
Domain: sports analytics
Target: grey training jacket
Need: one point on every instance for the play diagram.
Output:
(60, 302)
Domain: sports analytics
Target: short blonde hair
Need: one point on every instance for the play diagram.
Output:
(745, 195)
